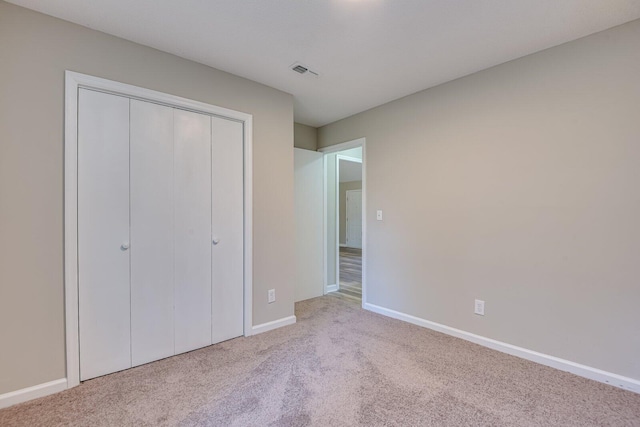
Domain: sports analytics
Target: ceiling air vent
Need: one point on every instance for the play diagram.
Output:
(304, 70)
(300, 69)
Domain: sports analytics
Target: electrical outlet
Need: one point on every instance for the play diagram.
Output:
(479, 307)
(272, 295)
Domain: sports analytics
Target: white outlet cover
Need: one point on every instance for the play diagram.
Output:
(479, 307)
(272, 295)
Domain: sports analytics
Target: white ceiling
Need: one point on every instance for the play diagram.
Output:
(367, 52)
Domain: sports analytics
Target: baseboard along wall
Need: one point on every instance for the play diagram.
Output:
(332, 288)
(34, 392)
(275, 324)
(51, 387)
(589, 372)
(626, 383)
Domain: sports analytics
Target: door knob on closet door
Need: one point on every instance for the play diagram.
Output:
(215, 240)
(124, 246)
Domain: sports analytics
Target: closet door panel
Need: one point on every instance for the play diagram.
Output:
(152, 330)
(192, 230)
(103, 233)
(227, 227)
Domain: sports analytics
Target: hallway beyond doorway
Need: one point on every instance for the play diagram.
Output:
(351, 272)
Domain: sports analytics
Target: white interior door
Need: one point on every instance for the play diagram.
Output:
(103, 233)
(354, 218)
(227, 255)
(309, 222)
(151, 172)
(192, 229)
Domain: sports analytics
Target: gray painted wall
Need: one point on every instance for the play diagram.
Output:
(517, 185)
(305, 137)
(35, 50)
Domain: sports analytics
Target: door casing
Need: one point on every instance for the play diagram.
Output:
(360, 142)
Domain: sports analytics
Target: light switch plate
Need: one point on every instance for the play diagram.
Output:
(379, 215)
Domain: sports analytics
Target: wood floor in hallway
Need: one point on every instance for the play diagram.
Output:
(351, 272)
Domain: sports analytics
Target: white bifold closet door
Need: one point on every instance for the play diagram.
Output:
(160, 226)
(227, 216)
(103, 233)
(192, 229)
(152, 232)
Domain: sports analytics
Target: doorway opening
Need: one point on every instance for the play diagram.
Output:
(345, 219)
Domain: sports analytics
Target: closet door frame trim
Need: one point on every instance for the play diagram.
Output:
(73, 82)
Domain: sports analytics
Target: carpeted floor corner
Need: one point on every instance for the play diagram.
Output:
(338, 366)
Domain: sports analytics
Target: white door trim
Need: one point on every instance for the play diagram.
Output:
(360, 142)
(75, 81)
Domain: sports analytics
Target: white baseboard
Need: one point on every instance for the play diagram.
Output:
(34, 392)
(332, 288)
(534, 356)
(275, 324)
(343, 245)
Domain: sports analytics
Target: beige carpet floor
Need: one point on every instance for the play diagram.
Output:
(338, 366)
